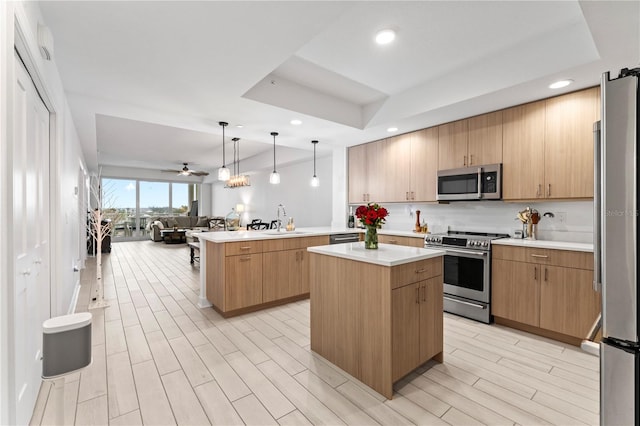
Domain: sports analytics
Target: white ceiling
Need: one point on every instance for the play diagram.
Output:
(147, 82)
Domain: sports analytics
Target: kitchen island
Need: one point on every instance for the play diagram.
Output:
(377, 314)
(244, 271)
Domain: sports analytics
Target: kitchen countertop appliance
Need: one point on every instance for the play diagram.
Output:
(467, 272)
(616, 220)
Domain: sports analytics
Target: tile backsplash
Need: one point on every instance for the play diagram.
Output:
(573, 220)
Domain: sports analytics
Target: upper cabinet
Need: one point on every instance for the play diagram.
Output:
(548, 147)
(397, 169)
(474, 141)
(568, 144)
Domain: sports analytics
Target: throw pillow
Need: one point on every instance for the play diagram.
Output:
(203, 222)
(158, 224)
(171, 222)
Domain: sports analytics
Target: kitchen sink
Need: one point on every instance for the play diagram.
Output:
(285, 232)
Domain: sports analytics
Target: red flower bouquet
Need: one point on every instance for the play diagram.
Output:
(372, 216)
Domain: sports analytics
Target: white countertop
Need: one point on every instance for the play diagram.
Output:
(231, 236)
(546, 244)
(385, 255)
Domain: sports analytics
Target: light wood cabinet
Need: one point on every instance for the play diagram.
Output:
(485, 139)
(397, 169)
(368, 327)
(417, 325)
(548, 147)
(401, 240)
(243, 281)
(474, 141)
(515, 291)
(550, 290)
(523, 151)
(452, 145)
(250, 275)
(424, 165)
(568, 144)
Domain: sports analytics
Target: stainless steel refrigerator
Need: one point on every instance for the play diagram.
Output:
(616, 247)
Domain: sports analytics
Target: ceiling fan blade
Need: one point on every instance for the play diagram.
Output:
(200, 173)
(170, 171)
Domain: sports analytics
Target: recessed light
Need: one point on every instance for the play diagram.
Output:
(385, 36)
(296, 122)
(392, 129)
(560, 84)
(239, 126)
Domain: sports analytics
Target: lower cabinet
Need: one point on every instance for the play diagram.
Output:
(401, 240)
(285, 274)
(244, 280)
(550, 290)
(416, 315)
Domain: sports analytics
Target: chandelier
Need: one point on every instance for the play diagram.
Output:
(237, 180)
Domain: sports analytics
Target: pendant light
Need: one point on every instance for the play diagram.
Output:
(237, 180)
(314, 180)
(275, 176)
(223, 172)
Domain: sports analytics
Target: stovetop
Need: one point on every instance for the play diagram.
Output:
(467, 239)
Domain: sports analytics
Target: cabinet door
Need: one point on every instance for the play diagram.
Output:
(431, 313)
(396, 169)
(523, 151)
(485, 139)
(568, 304)
(452, 145)
(424, 164)
(357, 174)
(281, 274)
(515, 291)
(569, 144)
(375, 184)
(243, 286)
(302, 283)
(405, 319)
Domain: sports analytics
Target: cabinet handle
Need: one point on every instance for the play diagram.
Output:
(538, 191)
(471, 160)
(245, 248)
(549, 190)
(424, 293)
(542, 256)
(301, 255)
(464, 161)
(245, 258)
(420, 271)
(393, 241)
(413, 195)
(546, 274)
(417, 294)
(535, 273)
(406, 195)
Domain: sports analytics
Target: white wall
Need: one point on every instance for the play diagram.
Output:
(307, 205)
(66, 159)
(496, 216)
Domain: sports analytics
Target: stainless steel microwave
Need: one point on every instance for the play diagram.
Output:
(470, 183)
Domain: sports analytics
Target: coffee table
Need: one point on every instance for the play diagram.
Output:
(174, 236)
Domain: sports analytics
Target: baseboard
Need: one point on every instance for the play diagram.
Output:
(74, 298)
(538, 331)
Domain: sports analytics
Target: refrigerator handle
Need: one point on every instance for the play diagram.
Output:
(597, 207)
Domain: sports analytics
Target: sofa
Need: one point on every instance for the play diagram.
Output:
(156, 225)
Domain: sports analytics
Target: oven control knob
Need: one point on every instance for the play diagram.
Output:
(473, 243)
(485, 244)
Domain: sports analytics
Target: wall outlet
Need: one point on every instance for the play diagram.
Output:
(562, 217)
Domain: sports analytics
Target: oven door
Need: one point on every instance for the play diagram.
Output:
(466, 274)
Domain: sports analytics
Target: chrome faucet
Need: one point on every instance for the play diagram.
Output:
(284, 214)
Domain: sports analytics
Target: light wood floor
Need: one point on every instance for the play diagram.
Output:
(158, 359)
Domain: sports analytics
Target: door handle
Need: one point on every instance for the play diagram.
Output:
(475, 305)
(538, 192)
(471, 160)
(542, 256)
(406, 195)
(535, 273)
(546, 274)
(245, 258)
(424, 293)
(549, 191)
(417, 294)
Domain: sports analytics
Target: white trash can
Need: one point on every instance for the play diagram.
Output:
(66, 345)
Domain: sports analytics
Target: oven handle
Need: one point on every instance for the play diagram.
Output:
(479, 183)
(467, 252)
(475, 305)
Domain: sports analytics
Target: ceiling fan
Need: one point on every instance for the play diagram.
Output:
(186, 171)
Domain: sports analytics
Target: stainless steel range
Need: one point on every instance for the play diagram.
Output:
(467, 272)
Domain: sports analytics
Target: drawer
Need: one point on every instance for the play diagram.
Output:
(417, 271)
(294, 243)
(401, 241)
(565, 258)
(243, 247)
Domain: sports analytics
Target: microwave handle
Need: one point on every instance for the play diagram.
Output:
(479, 183)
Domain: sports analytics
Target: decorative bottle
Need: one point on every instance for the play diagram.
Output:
(417, 227)
(351, 223)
